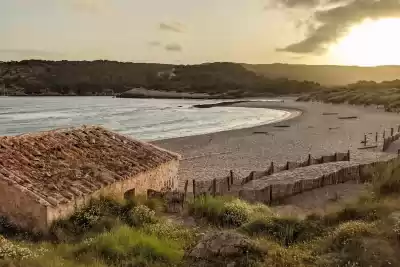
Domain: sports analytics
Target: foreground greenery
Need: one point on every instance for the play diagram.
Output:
(365, 232)
(385, 94)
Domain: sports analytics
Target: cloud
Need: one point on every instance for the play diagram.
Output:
(173, 47)
(154, 43)
(334, 23)
(172, 27)
(297, 3)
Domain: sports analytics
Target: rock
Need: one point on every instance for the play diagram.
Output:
(222, 244)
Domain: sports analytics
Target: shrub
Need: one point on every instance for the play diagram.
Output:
(99, 216)
(287, 231)
(221, 211)
(348, 231)
(386, 181)
(172, 231)
(125, 246)
(141, 215)
(279, 256)
(9, 250)
(372, 252)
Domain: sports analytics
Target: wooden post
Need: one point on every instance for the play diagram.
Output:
(287, 165)
(348, 155)
(231, 177)
(194, 189)
(214, 188)
(376, 137)
(392, 131)
(272, 168)
(365, 140)
(309, 160)
(228, 178)
(186, 188)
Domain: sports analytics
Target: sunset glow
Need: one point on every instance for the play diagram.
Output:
(369, 44)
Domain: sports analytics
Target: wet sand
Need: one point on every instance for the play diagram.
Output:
(318, 131)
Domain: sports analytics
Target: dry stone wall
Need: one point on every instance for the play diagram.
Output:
(223, 185)
(289, 183)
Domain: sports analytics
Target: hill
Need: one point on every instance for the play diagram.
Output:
(327, 75)
(36, 77)
(384, 94)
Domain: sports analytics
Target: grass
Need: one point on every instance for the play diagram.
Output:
(225, 211)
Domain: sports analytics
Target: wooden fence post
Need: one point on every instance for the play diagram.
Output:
(348, 155)
(392, 131)
(214, 187)
(376, 137)
(228, 178)
(194, 189)
(309, 160)
(272, 168)
(365, 140)
(186, 188)
(287, 165)
(231, 176)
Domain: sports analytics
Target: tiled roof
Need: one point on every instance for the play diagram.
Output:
(57, 166)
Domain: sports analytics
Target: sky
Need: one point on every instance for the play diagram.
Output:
(190, 32)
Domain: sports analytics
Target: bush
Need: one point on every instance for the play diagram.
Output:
(99, 216)
(386, 181)
(102, 215)
(140, 216)
(287, 231)
(348, 231)
(221, 211)
(372, 252)
(171, 231)
(279, 256)
(125, 246)
(9, 250)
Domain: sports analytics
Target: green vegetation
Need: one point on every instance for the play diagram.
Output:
(226, 212)
(222, 80)
(365, 232)
(386, 94)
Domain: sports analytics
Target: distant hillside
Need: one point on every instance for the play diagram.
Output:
(325, 74)
(36, 77)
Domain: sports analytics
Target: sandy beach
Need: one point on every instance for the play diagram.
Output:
(313, 128)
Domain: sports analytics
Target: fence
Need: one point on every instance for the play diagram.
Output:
(275, 191)
(387, 141)
(223, 185)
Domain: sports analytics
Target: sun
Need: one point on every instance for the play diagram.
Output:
(372, 43)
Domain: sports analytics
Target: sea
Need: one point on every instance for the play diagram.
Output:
(146, 119)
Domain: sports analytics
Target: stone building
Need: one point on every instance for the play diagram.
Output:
(47, 176)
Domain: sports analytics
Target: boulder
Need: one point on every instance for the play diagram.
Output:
(227, 248)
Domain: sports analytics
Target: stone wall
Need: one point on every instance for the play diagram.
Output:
(22, 208)
(160, 178)
(289, 183)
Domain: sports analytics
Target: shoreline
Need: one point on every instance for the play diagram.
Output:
(308, 130)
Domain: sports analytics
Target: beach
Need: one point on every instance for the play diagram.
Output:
(314, 128)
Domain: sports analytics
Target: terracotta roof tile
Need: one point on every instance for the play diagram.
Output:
(57, 166)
